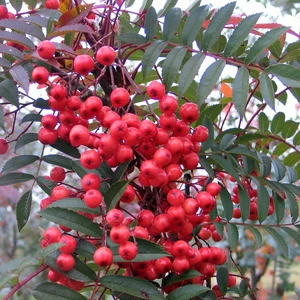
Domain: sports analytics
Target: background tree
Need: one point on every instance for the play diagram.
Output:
(168, 163)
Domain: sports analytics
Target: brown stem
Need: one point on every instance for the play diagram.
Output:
(20, 284)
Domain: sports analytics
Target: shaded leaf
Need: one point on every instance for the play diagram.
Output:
(41, 103)
(233, 235)
(72, 220)
(289, 128)
(119, 172)
(222, 278)
(193, 24)
(150, 23)
(11, 51)
(279, 240)
(264, 42)
(2, 118)
(216, 25)
(173, 277)
(207, 167)
(209, 80)
(171, 22)
(240, 33)
(13, 178)
(292, 174)
(75, 204)
(187, 292)
(20, 76)
(244, 202)
(23, 209)
(188, 73)
(227, 203)
(4, 63)
(151, 55)
(277, 122)
(70, 29)
(25, 139)
(172, 65)
(242, 150)
(257, 236)
(18, 162)
(267, 90)
(263, 122)
(17, 264)
(240, 90)
(263, 202)
(132, 38)
(295, 235)
(17, 38)
(9, 91)
(280, 149)
(293, 205)
(292, 159)
(227, 141)
(287, 74)
(265, 164)
(43, 252)
(51, 290)
(279, 206)
(168, 4)
(31, 118)
(279, 169)
(114, 193)
(45, 184)
(58, 160)
(133, 286)
(85, 249)
(66, 148)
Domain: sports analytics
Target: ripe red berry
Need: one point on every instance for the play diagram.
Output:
(65, 262)
(213, 188)
(70, 244)
(128, 250)
(47, 136)
(75, 284)
(57, 174)
(53, 275)
(128, 195)
(40, 75)
(59, 92)
(90, 181)
(52, 4)
(52, 235)
(120, 234)
(46, 49)
(115, 217)
(59, 192)
(189, 112)
(83, 64)
(103, 257)
(106, 55)
(156, 90)
(3, 146)
(3, 12)
(93, 198)
(90, 159)
(119, 97)
(79, 135)
(181, 264)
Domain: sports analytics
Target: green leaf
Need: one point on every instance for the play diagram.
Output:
(72, 220)
(240, 90)
(133, 286)
(249, 137)
(290, 127)
(11, 51)
(172, 65)
(193, 24)
(44, 252)
(172, 278)
(45, 184)
(279, 240)
(66, 148)
(2, 118)
(17, 264)
(171, 22)
(264, 42)
(132, 38)
(151, 55)
(70, 29)
(265, 164)
(267, 90)
(209, 80)
(226, 165)
(21, 26)
(25, 139)
(216, 25)
(280, 149)
(23, 209)
(279, 206)
(150, 23)
(293, 205)
(279, 169)
(227, 141)
(227, 203)
(263, 202)
(146, 251)
(4, 63)
(292, 174)
(19, 162)
(168, 4)
(41, 103)
(119, 172)
(209, 142)
(263, 122)
(233, 235)
(51, 290)
(244, 202)
(20, 76)
(16, 4)
(85, 249)
(257, 236)
(31, 118)
(287, 74)
(187, 292)
(295, 235)
(211, 112)
(222, 278)
(75, 204)
(9, 91)
(80, 272)
(242, 150)
(114, 193)
(296, 139)
(292, 159)
(207, 167)
(240, 33)
(277, 122)
(58, 160)
(188, 73)
(13, 178)
(17, 38)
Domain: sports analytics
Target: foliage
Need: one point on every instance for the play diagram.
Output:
(234, 70)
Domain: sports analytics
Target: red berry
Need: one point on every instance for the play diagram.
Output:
(3, 146)
(52, 235)
(52, 4)
(119, 97)
(47, 136)
(90, 159)
(83, 64)
(3, 12)
(213, 188)
(40, 75)
(57, 174)
(156, 90)
(70, 244)
(120, 234)
(115, 217)
(189, 112)
(103, 257)
(90, 181)
(93, 198)
(106, 55)
(128, 250)
(65, 262)
(46, 49)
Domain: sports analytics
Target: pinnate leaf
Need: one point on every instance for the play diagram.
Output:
(17, 38)
(267, 90)
(23, 209)
(282, 244)
(58, 160)
(150, 23)
(114, 193)
(187, 292)
(13, 178)
(20, 76)
(287, 74)
(70, 29)
(9, 91)
(18, 162)
(171, 22)
(233, 235)
(45, 184)
(25, 139)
